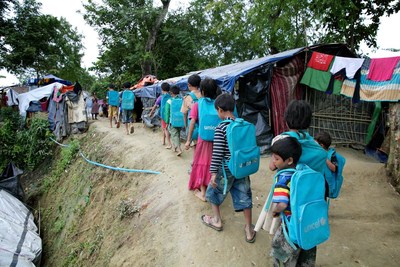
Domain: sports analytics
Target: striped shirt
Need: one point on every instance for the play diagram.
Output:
(282, 190)
(220, 148)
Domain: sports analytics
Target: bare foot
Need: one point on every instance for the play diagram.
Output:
(168, 147)
(198, 194)
(179, 153)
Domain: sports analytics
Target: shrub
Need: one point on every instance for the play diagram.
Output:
(27, 147)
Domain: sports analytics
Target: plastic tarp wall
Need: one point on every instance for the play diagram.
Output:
(10, 181)
(253, 100)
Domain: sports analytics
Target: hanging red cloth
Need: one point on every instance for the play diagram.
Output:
(320, 61)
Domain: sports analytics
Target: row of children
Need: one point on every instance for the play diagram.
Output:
(121, 103)
(175, 112)
(212, 176)
(201, 113)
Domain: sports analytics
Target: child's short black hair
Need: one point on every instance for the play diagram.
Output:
(112, 86)
(165, 87)
(209, 88)
(287, 147)
(194, 80)
(225, 102)
(323, 138)
(175, 90)
(127, 85)
(298, 115)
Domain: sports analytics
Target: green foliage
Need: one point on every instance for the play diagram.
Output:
(351, 21)
(36, 143)
(67, 155)
(35, 44)
(27, 147)
(125, 28)
(58, 226)
(211, 33)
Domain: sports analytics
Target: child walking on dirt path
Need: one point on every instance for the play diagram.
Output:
(160, 103)
(189, 100)
(174, 131)
(325, 140)
(285, 155)
(113, 103)
(332, 165)
(239, 188)
(200, 174)
(298, 116)
(95, 109)
(127, 105)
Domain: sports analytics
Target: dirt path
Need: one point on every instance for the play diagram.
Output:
(365, 220)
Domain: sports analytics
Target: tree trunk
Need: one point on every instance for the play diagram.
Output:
(393, 164)
(147, 64)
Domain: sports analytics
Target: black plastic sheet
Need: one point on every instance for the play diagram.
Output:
(10, 181)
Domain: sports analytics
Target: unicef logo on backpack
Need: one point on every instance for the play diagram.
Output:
(313, 226)
(209, 128)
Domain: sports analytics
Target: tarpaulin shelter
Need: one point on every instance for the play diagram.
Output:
(66, 108)
(35, 95)
(263, 87)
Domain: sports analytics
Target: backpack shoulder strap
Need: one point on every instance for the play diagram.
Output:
(293, 134)
(194, 97)
(284, 219)
(331, 152)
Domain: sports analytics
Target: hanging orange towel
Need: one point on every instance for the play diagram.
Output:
(381, 69)
(320, 61)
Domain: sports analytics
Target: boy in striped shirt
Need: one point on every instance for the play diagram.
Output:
(239, 188)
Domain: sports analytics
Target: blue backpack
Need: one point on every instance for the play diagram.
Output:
(164, 100)
(308, 225)
(335, 180)
(312, 154)
(195, 133)
(128, 100)
(176, 116)
(113, 98)
(208, 118)
(245, 154)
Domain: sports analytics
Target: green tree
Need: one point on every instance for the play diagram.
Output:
(350, 21)
(40, 44)
(138, 38)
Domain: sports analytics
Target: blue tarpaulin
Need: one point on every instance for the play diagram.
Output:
(226, 75)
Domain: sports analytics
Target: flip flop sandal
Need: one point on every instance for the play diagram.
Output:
(251, 240)
(216, 228)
